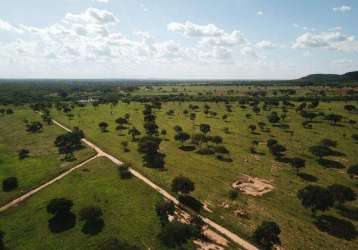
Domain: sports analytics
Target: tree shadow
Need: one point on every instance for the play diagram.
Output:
(307, 177)
(191, 202)
(62, 222)
(330, 164)
(337, 153)
(93, 227)
(339, 228)
(187, 148)
(350, 213)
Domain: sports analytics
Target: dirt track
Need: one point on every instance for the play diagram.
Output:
(100, 153)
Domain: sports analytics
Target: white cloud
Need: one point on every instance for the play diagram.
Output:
(193, 30)
(248, 51)
(342, 8)
(102, 1)
(9, 27)
(329, 40)
(92, 15)
(266, 45)
(260, 13)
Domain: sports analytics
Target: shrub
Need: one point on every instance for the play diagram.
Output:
(267, 235)
(9, 184)
(233, 194)
(93, 220)
(23, 153)
(176, 234)
(124, 171)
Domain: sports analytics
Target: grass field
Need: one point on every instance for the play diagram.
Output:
(213, 178)
(127, 205)
(44, 162)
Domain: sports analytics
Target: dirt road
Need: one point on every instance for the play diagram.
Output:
(100, 153)
(233, 237)
(38, 189)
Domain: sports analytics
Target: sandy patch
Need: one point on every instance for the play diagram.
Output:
(253, 186)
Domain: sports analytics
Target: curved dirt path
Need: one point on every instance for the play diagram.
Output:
(230, 235)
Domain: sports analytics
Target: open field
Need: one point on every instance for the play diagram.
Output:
(213, 178)
(127, 205)
(43, 162)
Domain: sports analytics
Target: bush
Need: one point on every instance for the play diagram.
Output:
(176, 234)
(63, 218)
(124, 171)
(23, 153)
(93, 220)
(233, 194)
(9, 184)
(267, 235)
(182, 185)
(163, 209)
(115, 244)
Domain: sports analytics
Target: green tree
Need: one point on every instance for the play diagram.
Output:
(9, 184)
(297, 163)
(267, 234)
(315, 198)
(182, 185)
(341, 194)
(352, 171)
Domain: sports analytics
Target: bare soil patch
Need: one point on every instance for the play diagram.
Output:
(253, 186)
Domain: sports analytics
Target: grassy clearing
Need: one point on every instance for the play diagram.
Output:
(44, 162)
(127, 205)
(213, 178)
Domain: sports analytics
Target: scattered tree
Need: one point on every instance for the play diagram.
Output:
(9, 184)
(182, 185)
(267, 235)
(315, 198)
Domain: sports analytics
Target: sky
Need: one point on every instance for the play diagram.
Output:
(177, 39)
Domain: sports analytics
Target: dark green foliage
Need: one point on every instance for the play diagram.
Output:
(182, 137)
(103, 126)
(315, 198)
(297, 163)
(352, 171)
(339, 228)
(23, 153)
(68, 143)
(124, 171)
(134, 132)
(94, 222)
(182, 185)
(205, 128)
(341, 194)
(233, 194)
(9, 184)
(115, 244)
(267, 235)
(320, 151)
(34, 127)
(163, 209)
(328, 143)
(176, 234)
(63, 219)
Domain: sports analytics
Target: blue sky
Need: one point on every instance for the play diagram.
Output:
(245, 39)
